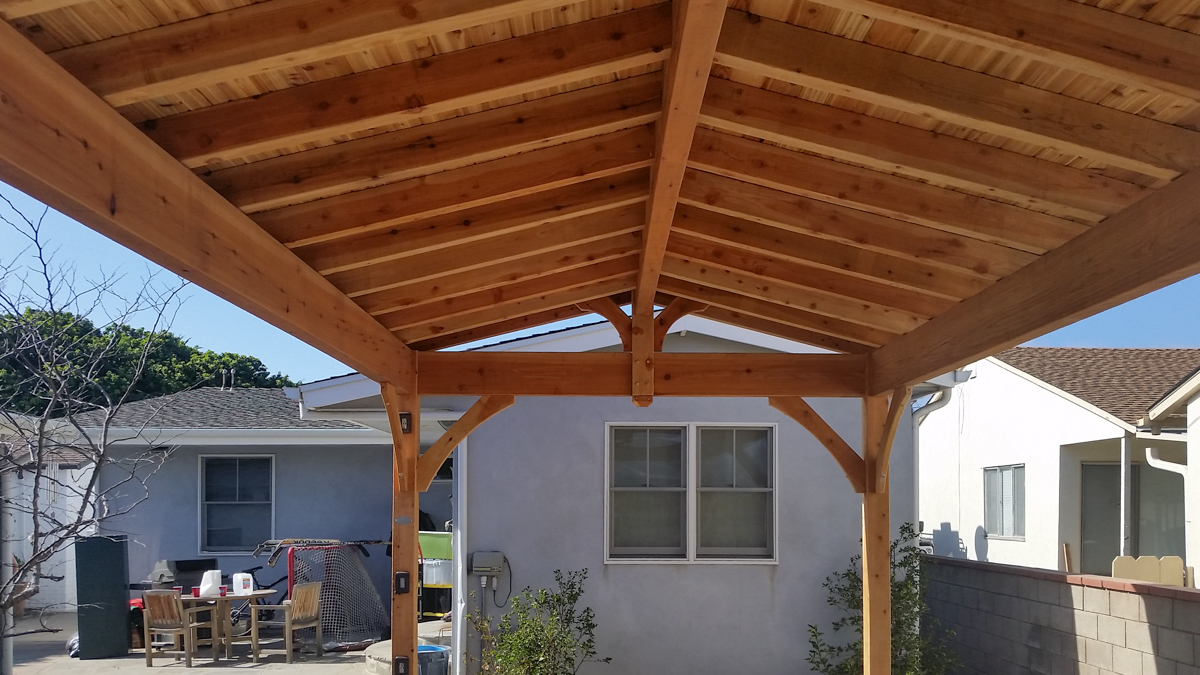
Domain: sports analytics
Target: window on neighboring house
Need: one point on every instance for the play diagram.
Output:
(1004, 500)
(669, 500)
(237, 510)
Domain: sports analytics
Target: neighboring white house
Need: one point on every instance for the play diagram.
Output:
(1178, 411)
(679, 568)
(1044, 455)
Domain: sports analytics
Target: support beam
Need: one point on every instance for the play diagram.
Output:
(799, 409)
(263, 37)
(432, 148)
(483, 409)
(611, 311)
(676, 310)
(406, 447)
(418, 89)
(883, 194)
(877, 537)
(892, 147)
(1151, 244)
(1095, 41)
(609, 374)
(392, 206)
(900, 81)
(643, 356)
(62, 145)
(898, 403)
(697, 28)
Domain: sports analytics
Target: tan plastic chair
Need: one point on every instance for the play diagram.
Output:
(303, 610)
(164, 614)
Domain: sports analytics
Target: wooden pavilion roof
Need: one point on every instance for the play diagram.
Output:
(919, 181)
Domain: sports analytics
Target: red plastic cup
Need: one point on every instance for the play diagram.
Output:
(178, 589)
(195, 591)
(223, 589)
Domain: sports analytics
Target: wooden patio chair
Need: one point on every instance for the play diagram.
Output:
(302, 610)
(164, 614)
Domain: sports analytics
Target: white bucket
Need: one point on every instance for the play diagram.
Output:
(438, 572)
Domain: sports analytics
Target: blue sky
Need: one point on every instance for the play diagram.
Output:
(1167, 318)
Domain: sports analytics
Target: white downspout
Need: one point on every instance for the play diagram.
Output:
(940, 399)
(1157, 462)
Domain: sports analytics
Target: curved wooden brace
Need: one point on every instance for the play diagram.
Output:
(609, 309)
(676, 310)
(900, 400)
(435, 456)
(798, 409)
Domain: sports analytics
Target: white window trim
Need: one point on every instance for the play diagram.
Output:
(200, 500)
(693, 478)
(1000, 537)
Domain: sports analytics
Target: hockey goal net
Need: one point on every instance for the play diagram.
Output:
(352, 614)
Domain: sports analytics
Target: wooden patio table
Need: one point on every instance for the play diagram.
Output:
(221, 605)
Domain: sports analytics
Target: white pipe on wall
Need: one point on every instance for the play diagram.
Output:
(940, 399)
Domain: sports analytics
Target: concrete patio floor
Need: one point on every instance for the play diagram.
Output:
(46, 654)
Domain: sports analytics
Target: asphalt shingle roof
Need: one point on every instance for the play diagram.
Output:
(1121, 382)
(216, 408)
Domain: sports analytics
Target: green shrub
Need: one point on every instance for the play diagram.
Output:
(919, 645)
(544, 633)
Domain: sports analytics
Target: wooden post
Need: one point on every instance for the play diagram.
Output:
(643, 357)
(876, 561)
(406, 447)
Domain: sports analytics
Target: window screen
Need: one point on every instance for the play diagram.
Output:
(735, 501)
(237, 494)
(648, 493)
(1004, 501)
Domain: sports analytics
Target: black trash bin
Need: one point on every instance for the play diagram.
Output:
(433, 660)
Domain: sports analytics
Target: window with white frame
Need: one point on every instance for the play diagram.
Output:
(237, 507)
(1004, 500)
(691, 492)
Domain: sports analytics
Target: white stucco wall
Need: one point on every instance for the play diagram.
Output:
(998, 418)
(56, 595)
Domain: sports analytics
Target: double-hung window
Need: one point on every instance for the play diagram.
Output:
(691, 492)
(237, 503)
(1004, 500)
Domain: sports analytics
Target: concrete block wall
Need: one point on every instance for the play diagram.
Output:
(1009, 620)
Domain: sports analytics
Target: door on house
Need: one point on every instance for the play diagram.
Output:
(1157, 520)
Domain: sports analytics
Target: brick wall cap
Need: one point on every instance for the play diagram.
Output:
(1086, 580)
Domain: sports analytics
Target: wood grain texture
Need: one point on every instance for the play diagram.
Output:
(498, 329)
(1151, 244)
(408, 91)
(674, 311)
(890, 147)
(782, 330)
(851, 463)
(921, 86)
(697, 28)
(262, 37)
(877, 540)
(405, 510)
(65, 147)
(898, 403)
(612, 312)
(481, 411)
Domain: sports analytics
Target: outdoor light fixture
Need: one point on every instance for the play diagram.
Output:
(406, 423)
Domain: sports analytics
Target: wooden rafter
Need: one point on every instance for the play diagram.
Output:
(67, 148)
(501, 328)
(674, 311)
(1079, 37)
(433, 458)
(263, 37)
(1149, 245)
(833, 255)
(891, 147)
(389, 206)
(839, 332)
(409, 91)
(851, 463)
(612, 312)
(697, 28)
(608, 374)
(15, 9)
(893, 196)
(782, 330)
(446, 287)
(523, 299)
(916, 85)
(490, 252)
(431, 148)
(859, 229)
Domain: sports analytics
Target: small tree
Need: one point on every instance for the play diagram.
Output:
(59, 349)
(919, 645)
(544, 633)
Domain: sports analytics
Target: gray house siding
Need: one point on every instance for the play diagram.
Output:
(328, 492)
(536, 484)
